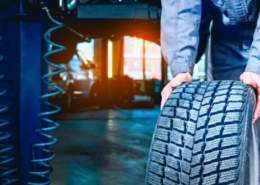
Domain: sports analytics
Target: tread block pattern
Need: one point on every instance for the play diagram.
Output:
(197, 138)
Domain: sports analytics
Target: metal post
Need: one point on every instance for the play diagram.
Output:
(144, 65)
(144, 60)
(30, 91)
(22, 68)
(120, 52)
(104, 73)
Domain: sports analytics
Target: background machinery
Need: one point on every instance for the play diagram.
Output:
(37, 40)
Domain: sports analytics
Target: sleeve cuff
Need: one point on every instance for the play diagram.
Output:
(181, 67)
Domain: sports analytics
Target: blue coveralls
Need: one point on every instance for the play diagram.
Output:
(235, 35)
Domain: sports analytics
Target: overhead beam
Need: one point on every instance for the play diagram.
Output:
(124, 11)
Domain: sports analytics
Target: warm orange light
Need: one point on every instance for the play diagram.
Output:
(138, 45)
(110, 59)
(142, 58)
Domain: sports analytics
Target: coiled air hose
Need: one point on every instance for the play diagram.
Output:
(8, 171)
(42, 153)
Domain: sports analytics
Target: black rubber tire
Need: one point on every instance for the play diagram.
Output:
(202, 136)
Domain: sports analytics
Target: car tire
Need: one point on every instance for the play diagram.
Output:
(203, 136)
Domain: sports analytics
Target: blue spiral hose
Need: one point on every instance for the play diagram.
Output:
(8, 172)
(42, 153)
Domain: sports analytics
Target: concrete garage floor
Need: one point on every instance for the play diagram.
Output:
(108, 147)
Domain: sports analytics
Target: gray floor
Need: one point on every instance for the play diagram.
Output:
(107, 147)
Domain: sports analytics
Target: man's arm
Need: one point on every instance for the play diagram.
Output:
(252, 74)
(180, 25)
(253, 64)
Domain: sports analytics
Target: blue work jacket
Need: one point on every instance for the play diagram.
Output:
(180, 24)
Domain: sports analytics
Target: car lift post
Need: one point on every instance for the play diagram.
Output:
(22, 38)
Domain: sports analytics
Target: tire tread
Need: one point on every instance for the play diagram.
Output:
(198, 135)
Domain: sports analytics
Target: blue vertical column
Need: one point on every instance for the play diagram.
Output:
(30, 91)
(21, 63)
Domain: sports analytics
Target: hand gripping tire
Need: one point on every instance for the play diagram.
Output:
(202, 136)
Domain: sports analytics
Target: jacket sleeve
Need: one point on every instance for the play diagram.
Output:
(180, 23)
(253, 64)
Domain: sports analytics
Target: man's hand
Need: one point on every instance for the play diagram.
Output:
(253, 79)
(175, 82)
